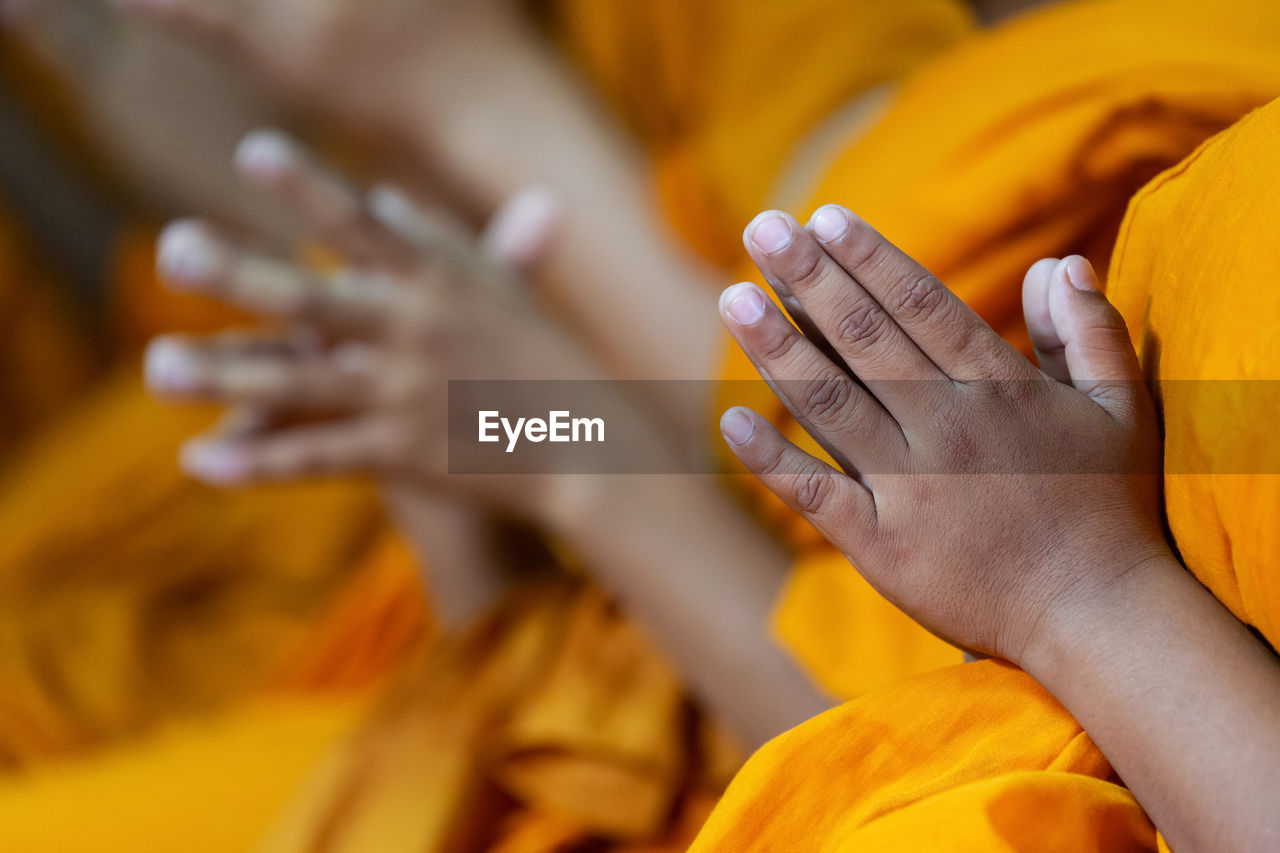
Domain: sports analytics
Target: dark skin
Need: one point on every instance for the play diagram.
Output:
(1076, 584)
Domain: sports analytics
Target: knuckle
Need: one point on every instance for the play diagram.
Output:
(807, 271)
(825, 401)
(969, 344)
(1016, 391)
(862, 327)
(778, 345)
(865, 250)
(773, 463)
(919, 298)
(813, 490)
(953, 439)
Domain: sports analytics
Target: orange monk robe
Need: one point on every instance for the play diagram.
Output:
(978, 757)
(723, 91)
(552, 721)
(1002, 152)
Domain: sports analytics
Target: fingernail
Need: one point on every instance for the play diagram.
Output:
(737, 426)
(746, 305)
(171, 367)
(215, 464)
(187, 255)
(830, 223)
(1080, 273)
(771, 234)
(265, 153)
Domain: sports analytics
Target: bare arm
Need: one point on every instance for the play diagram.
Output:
(486, 108)
(1183, 701)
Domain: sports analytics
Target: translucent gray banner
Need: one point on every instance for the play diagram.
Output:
(593, 427)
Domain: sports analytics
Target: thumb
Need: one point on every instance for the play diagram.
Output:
(1099, 354)
(1040, 328)
(522, 232)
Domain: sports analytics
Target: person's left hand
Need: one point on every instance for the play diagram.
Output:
(982, 496)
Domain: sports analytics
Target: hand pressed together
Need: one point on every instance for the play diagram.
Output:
(353, 376)
(983, 496)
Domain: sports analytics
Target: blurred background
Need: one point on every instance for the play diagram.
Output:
(188, 668)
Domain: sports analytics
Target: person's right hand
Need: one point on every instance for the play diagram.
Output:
(985, 499)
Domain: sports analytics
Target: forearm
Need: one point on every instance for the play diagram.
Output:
(702, 577)
(642, 300)
(461, 549)
(1183, 701)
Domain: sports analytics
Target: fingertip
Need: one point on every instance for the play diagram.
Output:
(1079, 274)
(187, 254)
(266, 155)
(540, 201)
(744, 303)
(770, 232)
(523, 230)
(1035, 299)
(738, 426)
(393, 207)
(830, 222)
(1040, 274)
(170, 366)
(214, 463)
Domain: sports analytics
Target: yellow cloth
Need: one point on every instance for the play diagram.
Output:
(552, 720)
(129, 593)
(1026, 142)
(1194, 274)
(723, 91)
(978, 757)
(211, 785)
(137, 605)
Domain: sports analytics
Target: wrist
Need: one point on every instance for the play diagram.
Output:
(473, 114)
(1095, 619)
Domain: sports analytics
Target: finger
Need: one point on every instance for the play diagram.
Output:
(841, 509)
(192, 257)
(522, 232)
(1035, 309)
(339, 448)
(325, 205)
(797, 312)
(242, 420)
(1096, 344)
(209, 370)
(843, 417)
(435, 235)
(860, 331)
(946, 330)
(172, 362)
